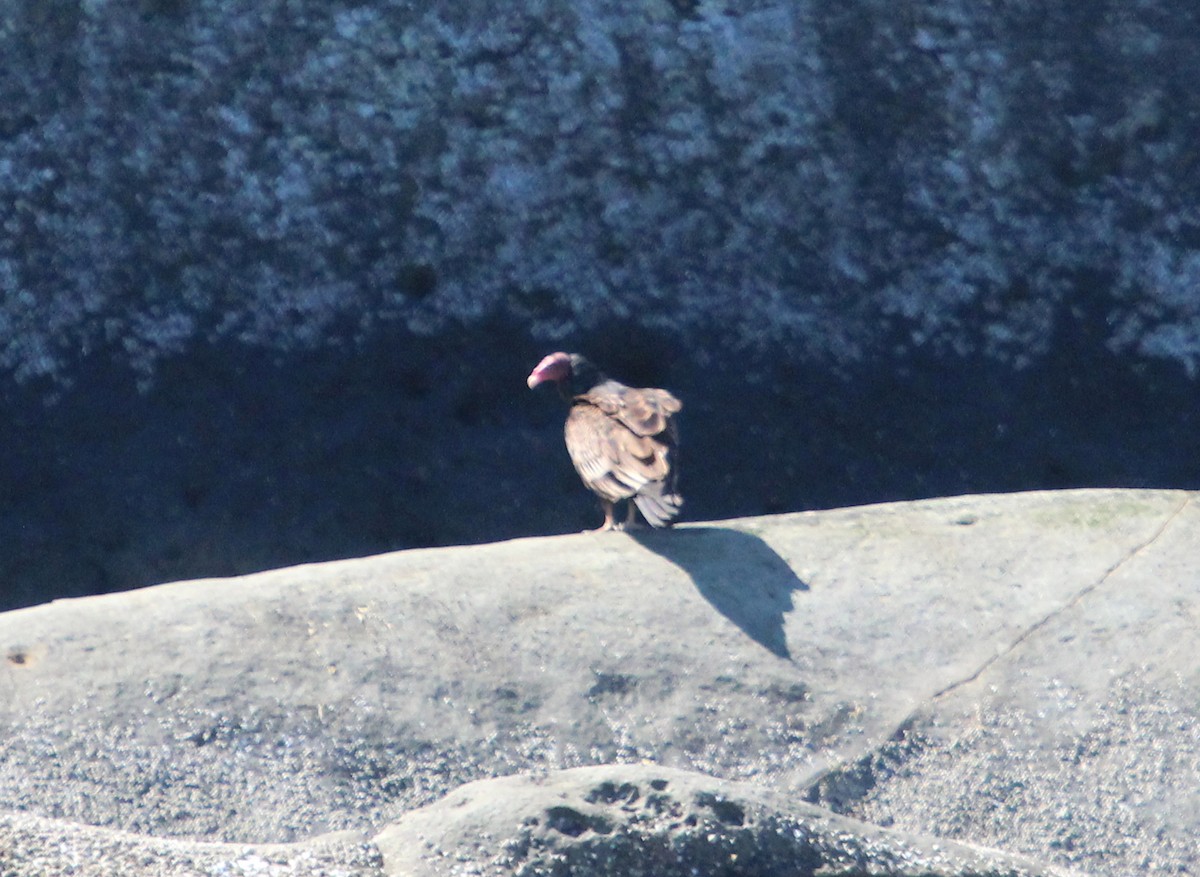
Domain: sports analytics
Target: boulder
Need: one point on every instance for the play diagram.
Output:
(1003, 671)
(633, 820)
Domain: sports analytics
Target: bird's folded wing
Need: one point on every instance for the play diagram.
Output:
(612, 459)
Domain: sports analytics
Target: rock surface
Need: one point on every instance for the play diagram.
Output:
(32, 845)
(1012, 671)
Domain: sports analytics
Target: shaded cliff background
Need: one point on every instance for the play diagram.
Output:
(272, 273)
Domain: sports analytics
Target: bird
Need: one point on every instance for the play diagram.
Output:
(622, 440)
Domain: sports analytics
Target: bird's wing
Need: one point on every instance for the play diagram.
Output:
(647, 412)
(614, 461)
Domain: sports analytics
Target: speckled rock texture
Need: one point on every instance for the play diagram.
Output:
(806, 176)
(1013, 672)
(32, 846)
(282, 266)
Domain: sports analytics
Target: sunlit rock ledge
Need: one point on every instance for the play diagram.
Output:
(994, 684)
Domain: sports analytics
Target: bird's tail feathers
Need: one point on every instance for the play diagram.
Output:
(657, 507)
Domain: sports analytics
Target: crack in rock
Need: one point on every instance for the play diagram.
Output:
(839, 784)
(1074, 601)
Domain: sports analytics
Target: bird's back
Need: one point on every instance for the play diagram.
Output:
(623, 443)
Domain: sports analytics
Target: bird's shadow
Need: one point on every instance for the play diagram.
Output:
(738, 573)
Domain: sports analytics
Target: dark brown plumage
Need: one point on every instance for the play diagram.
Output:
(621, 439)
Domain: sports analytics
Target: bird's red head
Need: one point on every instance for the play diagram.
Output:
(555, 367)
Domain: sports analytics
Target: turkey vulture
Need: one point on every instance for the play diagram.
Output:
(622, 440)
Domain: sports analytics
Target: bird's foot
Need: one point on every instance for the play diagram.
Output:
(606, 527)
(609, 519)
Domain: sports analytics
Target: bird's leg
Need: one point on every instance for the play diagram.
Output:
(631, 518)
(608, 519)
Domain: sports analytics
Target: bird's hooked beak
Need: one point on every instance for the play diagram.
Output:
(555, 367)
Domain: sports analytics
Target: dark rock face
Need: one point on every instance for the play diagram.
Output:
(282, 267)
